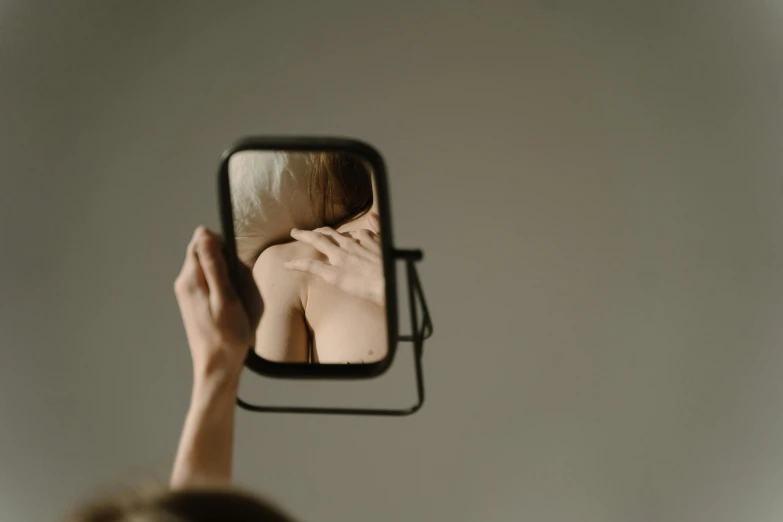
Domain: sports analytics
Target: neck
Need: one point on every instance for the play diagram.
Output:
(356, 223)
(363, 220)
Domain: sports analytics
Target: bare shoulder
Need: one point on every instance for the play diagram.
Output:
(269, 265)
(278, 254)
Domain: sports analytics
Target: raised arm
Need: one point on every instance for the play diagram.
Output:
(219, 328)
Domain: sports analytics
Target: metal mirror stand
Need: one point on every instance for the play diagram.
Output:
(419, 334)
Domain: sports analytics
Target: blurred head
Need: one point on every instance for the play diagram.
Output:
(340, 187)
(193, 505)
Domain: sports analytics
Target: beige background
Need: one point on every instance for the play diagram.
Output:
(597, 187)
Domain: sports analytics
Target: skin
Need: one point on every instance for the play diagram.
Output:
(219, 325)
(324, 295)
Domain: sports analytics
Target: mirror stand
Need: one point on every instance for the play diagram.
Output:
(417, 337)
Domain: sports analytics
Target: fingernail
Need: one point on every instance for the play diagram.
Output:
(294, 231)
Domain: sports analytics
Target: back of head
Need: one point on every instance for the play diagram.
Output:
(191, 505)
(340, 186)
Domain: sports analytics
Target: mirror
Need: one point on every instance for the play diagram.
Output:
(309, 222)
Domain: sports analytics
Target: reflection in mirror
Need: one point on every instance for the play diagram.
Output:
(306, 224)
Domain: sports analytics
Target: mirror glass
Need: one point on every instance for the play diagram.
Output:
(306, 225)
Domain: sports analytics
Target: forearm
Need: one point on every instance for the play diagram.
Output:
(206, 445)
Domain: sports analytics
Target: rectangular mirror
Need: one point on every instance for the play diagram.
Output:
(307, 221)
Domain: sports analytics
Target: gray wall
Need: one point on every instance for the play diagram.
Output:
(596, 185)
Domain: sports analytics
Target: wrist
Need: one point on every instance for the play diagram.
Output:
(217, 372)
(213, 392)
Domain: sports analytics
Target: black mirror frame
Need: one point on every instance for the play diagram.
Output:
(390, 257)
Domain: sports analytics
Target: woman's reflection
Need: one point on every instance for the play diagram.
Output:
(324, 292)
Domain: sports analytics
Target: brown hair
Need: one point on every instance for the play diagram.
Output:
(187, 505)
(340, 186)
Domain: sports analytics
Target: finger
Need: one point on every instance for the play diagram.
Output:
(191, 278)
(366, 235)
(375, 222)
(345, 240)
(210, 256)
(369, 240)
(318, 241)
(313, 266)
(192, 290)
(329, 234)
